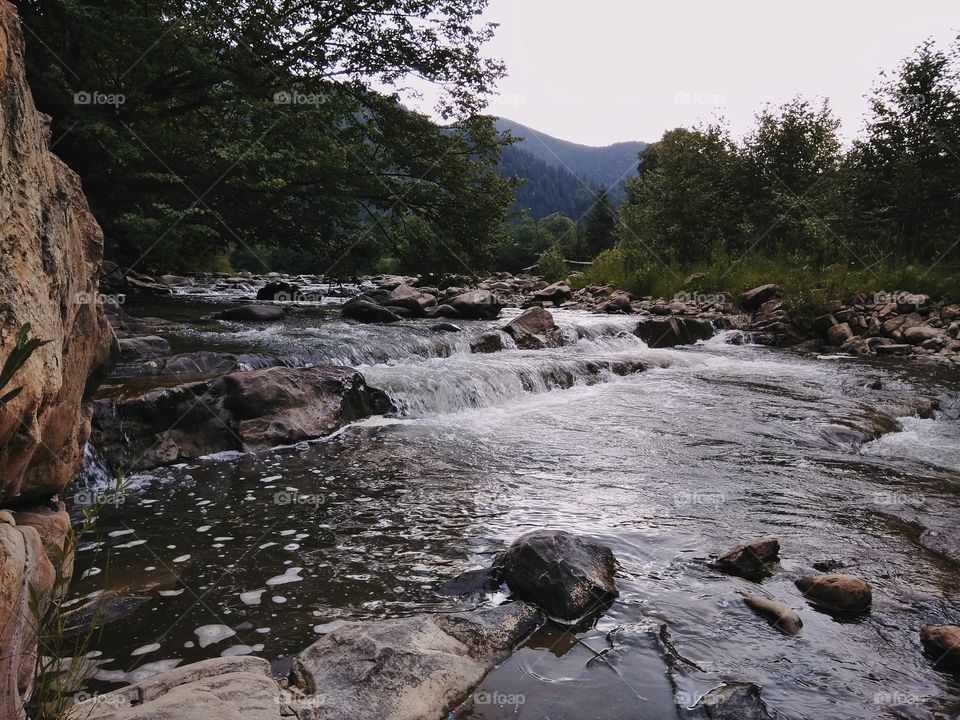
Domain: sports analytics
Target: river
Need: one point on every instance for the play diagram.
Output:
(706, 447)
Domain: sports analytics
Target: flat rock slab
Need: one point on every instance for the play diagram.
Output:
(237, 688)
(405, 669)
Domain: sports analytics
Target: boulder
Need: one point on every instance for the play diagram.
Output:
(476, 305)
(363, 309)
(618, 302)
(278, 291)
(567, 576)
(441, 311)
(143, 348)
(751, 300)
(920, 333)
(557, 292)
(751, 560)
(781, 616)
(489, 342)
(670, 331)
(252, 313)
(534, 329)
(839, 334)
(405, 669)
(29, 549)
(942, 644)
(404, 296)
(836, 592)
(51, 247)
(244, 411)
(230, 688)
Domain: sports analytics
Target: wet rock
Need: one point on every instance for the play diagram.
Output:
(442, 311)
(942, 644)
(836, 592)
(557, 292)
(488, 342)
(405, 669)
(566, 575)
(751, 560)
(278, 291)
(445, 327)
(245, 411)
(751, 300)
(731, 701)
(471, 582)
(252, 313)
(534, 329)
(476, 305)
(781, 616)
(895, 349)
(618, 302)
(406, 297)
(671, 331)
(143, 348)
(226, 688)
(363, 309)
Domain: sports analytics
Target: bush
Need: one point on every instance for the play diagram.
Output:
(552, 265)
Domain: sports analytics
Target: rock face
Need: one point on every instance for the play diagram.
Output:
(246, 411)
(835, 592)
(751, 560)
(942, 644)
(26, 561)
(407, 669)
(51, 250)
(232, 688)
(534, 330)
(671, 331)
(567, 576)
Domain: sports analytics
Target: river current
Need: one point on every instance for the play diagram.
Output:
(667, 456)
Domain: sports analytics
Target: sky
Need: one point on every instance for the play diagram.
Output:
(603, 71)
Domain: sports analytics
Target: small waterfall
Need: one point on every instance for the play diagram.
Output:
(95, 474)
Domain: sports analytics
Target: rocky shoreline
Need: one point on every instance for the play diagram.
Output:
(896, 324)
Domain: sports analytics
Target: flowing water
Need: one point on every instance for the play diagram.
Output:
(667, 456)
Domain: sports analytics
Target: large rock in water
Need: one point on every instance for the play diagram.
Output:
(364, 309)
(942, 644)
(534, 329)
(751, 560)
(51, 248)
(252, 313)
(567, 576)
(407, 669)
(752, 299)
(670, 331)
(246, 411)
(836, 592)
(476, 305)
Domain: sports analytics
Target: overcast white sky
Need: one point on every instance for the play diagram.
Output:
(600, 71)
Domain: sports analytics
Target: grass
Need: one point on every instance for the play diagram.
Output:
(806, 285)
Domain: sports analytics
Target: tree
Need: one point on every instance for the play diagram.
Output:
(601, 224)
(907, 172)
(687, 199)
(792, 159)
(201, 126)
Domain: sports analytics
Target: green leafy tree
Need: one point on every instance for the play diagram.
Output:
(201, 126)
(906, 172)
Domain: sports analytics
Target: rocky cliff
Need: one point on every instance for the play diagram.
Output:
(50, 253)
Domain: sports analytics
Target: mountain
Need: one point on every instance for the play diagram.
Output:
(562, 175)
